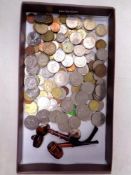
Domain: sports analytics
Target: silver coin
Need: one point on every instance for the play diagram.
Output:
(68, 61)
(98, 119)
(87, 87)
(102, 54)
(59, 55)
(74, 122)
(34, 70)
(75, 38)
(31, 61)
(31, 82)
(31, 122)
(90, 56)
(53, 66)
(45, 73)
(43, 116)
(76, 78)
(53, 115)
(43, 103)
(61, 78)
(81, 98)
(33, 93)
(83, 70)
(63, 29)
(43, 59)
(79, 50)
(80, 61)
(68, 47)
(89, 42)
(84, 113)
(72, 22)
(60, 37)
(33, 38)
(67, 105)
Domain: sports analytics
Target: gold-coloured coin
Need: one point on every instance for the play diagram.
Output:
(43, 93)
(101, 30)
(94, 105)
(31, 108)
(27, 99)
(100, 44)
(75, 89)
(57, 92)
(89, 77)
(49, 85)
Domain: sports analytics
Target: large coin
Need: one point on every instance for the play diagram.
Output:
(72, 22)
(31, 122)
(102, 54)
(84, 113)
(89, 24)
(74, 122)
(31, 82)
(67, 105)
(40, 28)
(42, 59)
(30, 61)
(53, 67)
(49, 48)
(61, 78)
(75, 38)
(98, 119)
(80, 61)
(59, 55)
(76, 78)
(43, 116)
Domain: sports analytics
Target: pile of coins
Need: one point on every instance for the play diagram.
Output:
(65, 71)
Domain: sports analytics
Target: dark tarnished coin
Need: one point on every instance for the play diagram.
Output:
(100, 44)
(76, 78)
(60, 37)
(64, 127)
(31, 122)
(83, 112)
(34, 70)
(74, 122)
(100, 92)
(102, 54)
(40, 28)
(43, 116)
(49, 48)
(81, 98)
(43, 59)
(31, 82)
(63, 19)
(33, 93)
(30, 18)
(67, 105)
(48, 36)
(33, 38)
(46, 18)
(97, 62)
(100, 70)
(53, 115)
(87, 87)
(98, 119)
(31, 61)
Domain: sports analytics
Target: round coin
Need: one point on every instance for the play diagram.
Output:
(83, 33)
(76, 78)
(49, 85)
(75, 38)
(61, 78)
(40, 28)
(100, 44)
(43, 116)
(31, 82)
(33, 38)
(43, 59)
(79, 50)
(84, 113)
(80, 61)
(101, 30)
(63, 29)
(67, 47)
(31, 108)
(49, 48)
(89, 77)
(33, 93)
(31, 122)
(68, 61)
(89, 24)
(102, 54)
(30, 61)
(67, 105)
(60, 37)
(94, 105)
(46, 18)
(53, 66)
(57, 92)
(55, 27)
(81, 98)
(89, 42)
(43, 103)
(48, 36)
(53, 115)
(100, 70)
(98, 119)
(74, 122)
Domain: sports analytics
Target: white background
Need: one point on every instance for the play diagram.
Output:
(9, 49)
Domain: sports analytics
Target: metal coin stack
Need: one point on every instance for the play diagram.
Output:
(65, 71)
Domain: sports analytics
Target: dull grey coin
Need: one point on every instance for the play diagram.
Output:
(33, 93)
(87, 87)
(60, 37)
(76, 78)
(67, 105)
(83, 112)
(61, 117)
(98, 119)
(53, 115)
(74, 122)
(102, 54)
(33, 38)
(64, 126)
(31, 61)
(45, 73)
(34, 70)
(97, 62)
(81, 98)
(100, 91)
(43, 59)
(31, 122)
(83, 70)
(43, 116)
(90, 56)
(31, 82)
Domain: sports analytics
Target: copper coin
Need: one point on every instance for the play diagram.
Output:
(55, 27)
(29, 50)
(100, 70)
(100, 44)
(71, 68)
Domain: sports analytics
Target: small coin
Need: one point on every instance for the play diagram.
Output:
(102, 54)
(34, 70)
(45, 73)
(68, 61)
(61, 78)
(53, 66)
(49, 48)
(74, 122)
(75, 38)
(76, 78)
(72, 68)
(67, 47)
(90, 56)
(83, 33)
(89, 24)
(43, 103)
(100, 70)
(89, 42)
(31, 82)
(72, 22)
(80, 61)
(43, 116)
(100, 44)
(46, 18)
(63, 29)
(83, 112)
(31, 122)
(75, 89)
(98, 119)
(88, 87)
(49, 85)
(81, 98)
(101, 30)
(59, 55)
(94, 105)
(29, 50)
(33, 38)
(43, 59)
(89, 77)
(30, 18)
(40, 28)
(60, 37)
(83, 70)
(48, 36)
(31, 108)
(57, 92)
(79, 50)
(33, 93)
(30, 61)
(55, 27)
(67, 105)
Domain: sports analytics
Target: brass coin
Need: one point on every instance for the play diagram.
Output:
(48, 36)
(75, 89)
(100, 70)
(101, 30)
(94, 105)
(100, 44)
(89, 77)
(63, 19)
(40, 28)
(89, 24)
(31, 108)
(57, 92)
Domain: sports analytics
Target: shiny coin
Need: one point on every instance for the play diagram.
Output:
(72, 22)
(30, 18)
(48, 36)
(81, 98)
(30, 61)
(34, 70)
(45, 73)
(101, 30)
(68, 61)
(83, 70)
(89, 42)
(79, 50)
(55, 27)
(43, 59)
(67, 105)
(61, 78)
(63, 19)
(53, 105)
(89, 24)
(89, 77)
(31, 122)
(83, 113)
(100, 44)
(72, 68)
(33, 93)
(57, 92)
(76, 78)
(49, 85)
(63, 29)
(56, 44)
(90, 56)
(43, 103)
(67, 47)
(87, 87)
(80, 61)
(75, 38)
(82, 32)
(49, 48)
(43, 116)
(33, 38)
(74, 122)
(40, 28)
(31, 82)
(75, 89)
(46, 18)
(60, 37)
(94, 105)
(53, 66)
(31, 108)
(100, 70)
(59, 55)
(98, 119)
(102, 54)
